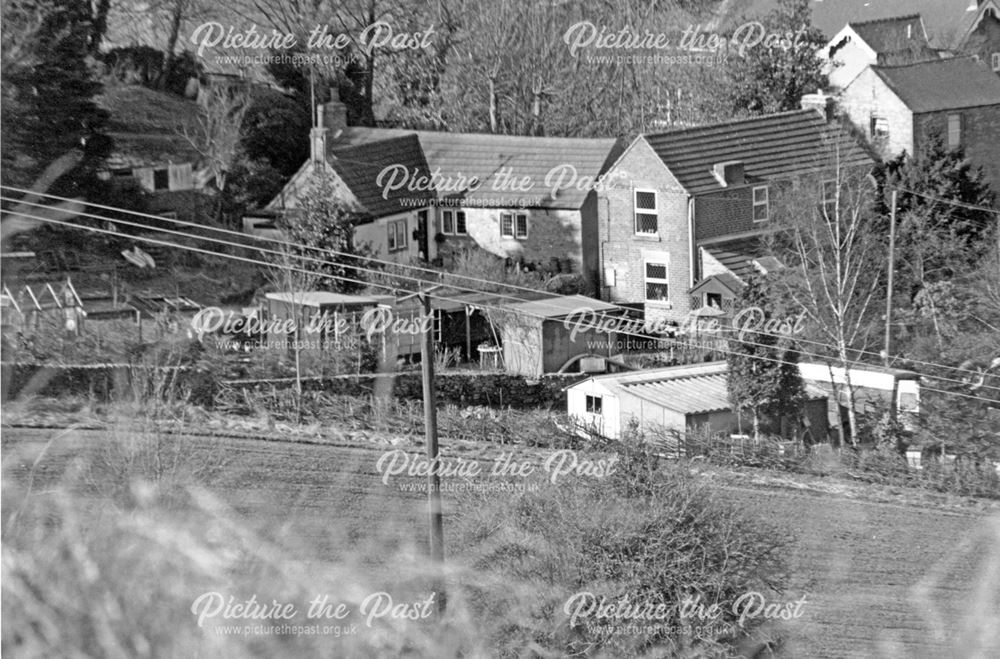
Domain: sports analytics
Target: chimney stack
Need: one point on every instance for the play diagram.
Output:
(330, 121)
(731, 172)
(820, 102)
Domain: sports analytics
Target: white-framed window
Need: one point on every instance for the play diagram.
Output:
(396, 235)
(878, 127)
(645, 203)
(514, 225)
(595, 404)
(453, 223)
(657, 283)
(954, 130)
(829, 196)
(760, 205)
(995, 61)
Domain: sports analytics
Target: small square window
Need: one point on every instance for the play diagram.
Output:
(460, 227)
(878, 127)
(713, 300)
(396, 235)
(760, 205)
(594, 404)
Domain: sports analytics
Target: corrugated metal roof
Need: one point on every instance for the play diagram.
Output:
(560, 306)
(947, 84)
(773, 147)
(501, 162)
(691, 389)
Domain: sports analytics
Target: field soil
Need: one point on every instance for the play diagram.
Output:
(896, 574)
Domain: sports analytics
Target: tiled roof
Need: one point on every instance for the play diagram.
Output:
(732, 284)
(946, 20)
(887, 35)
(947, 84)
(772, 147)
(359, 167)
(737, 255)
(501, 162)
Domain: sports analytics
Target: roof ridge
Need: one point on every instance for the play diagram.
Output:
(733, 122)
(886, 19)
(936, 60)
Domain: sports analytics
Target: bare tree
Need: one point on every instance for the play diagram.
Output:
(217, 131)
(831, 237)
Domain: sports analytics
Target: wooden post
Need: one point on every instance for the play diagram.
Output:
(468, 333)
(430, 429)
(888, 297)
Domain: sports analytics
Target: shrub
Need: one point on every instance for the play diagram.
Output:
(661, 541)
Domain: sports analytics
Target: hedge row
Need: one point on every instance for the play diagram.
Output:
(472, 388)
(105, 381)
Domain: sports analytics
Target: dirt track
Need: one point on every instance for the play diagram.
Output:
(881, 579)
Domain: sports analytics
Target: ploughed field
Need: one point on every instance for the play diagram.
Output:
(880, 579)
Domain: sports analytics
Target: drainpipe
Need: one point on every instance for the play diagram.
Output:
(692, 256)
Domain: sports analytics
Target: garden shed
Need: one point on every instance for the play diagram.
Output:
(538, 336)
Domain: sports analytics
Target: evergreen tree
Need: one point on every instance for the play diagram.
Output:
(768, 80)
(322, 221)
(48, 89)
(763, 375)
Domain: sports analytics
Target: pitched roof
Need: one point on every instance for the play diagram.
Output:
(499, 163)
(728, 280)
(775, 146)
(690, 389)
(946, 84)
(886, 35)
(737, 255)
(946, 20)
(359, 168)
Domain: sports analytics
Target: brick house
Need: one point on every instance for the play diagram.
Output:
(881, 41)
(897, 107)
(693, 203)
(431, 195)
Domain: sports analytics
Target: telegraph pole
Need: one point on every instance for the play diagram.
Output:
(888, 297)
(431, 432)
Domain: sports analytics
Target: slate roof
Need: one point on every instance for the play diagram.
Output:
(732, 284)
(690, 389)
(772, 147)
(494, 159)
(886, 35)
(947, 84)
(359, 168)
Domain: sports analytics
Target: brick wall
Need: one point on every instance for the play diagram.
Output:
(625, 253)
(980, 136)
(726, 212)
(869, 95)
